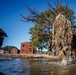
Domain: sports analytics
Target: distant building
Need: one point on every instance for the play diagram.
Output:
(1, 51)
(15, 51)
(26, 48)
(6, 52)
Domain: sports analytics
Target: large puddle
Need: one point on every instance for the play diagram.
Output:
(38, 66)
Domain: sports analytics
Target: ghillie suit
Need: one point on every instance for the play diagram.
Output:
(49, 48)
(62, 33)
(74, 42)
(2, 35)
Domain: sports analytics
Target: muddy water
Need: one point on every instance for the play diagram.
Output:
(38, 66)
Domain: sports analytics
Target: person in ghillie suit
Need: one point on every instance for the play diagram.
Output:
(2, 35)
(62, 35)
(49, 48)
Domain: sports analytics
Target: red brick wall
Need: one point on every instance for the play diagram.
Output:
(14, 51)
(26, 48)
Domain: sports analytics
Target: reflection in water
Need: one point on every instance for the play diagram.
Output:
(21, 66)
(15, 66)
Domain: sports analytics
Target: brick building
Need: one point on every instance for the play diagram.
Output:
(15, 51)
(26, 48)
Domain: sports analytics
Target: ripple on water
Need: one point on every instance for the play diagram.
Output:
(20, 66)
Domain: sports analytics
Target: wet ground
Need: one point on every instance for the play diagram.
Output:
(38, 66)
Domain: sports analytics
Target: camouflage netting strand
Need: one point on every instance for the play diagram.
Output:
(61, 33)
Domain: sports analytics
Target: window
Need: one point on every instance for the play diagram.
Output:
(23, 45)
(23, 50)
(30, 49)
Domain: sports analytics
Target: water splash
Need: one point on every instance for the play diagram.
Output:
(63, 63)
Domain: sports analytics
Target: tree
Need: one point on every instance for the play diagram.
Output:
(8, 48)
(45, 19)
(52, 12)
(37, 41)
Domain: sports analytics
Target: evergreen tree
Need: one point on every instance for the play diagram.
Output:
(43, 21)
